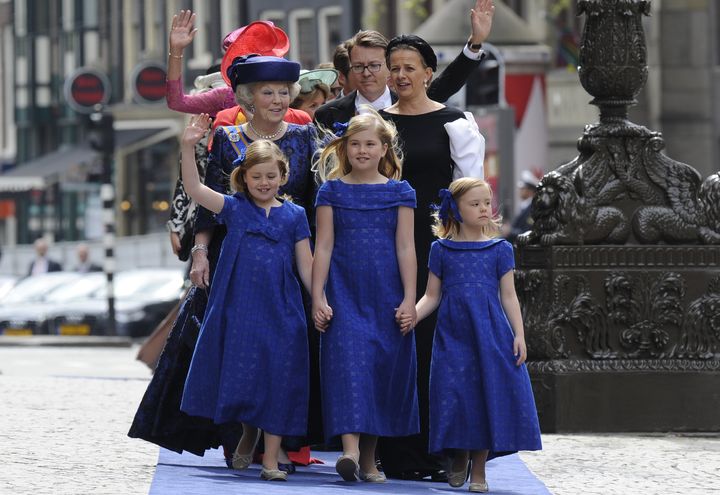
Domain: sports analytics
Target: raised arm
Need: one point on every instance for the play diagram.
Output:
(203, 195)
(407, 263)
(182, 33)
(456, 73)
(511, 305)
(325, 240)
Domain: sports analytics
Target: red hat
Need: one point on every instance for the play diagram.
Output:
(261, 37)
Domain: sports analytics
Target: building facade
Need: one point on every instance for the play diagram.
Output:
(49, 177)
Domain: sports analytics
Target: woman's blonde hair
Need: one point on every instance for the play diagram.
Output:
(333, 161)
(260, 151)
(450, 228)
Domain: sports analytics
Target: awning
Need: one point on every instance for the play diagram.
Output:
(65, 162)
(450, 25)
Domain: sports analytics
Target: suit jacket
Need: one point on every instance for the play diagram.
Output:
(92, 267)
(441, 88)
(53, 266)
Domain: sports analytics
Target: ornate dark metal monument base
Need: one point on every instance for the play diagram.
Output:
(623, 338)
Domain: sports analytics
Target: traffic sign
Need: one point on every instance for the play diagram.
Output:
(148, 82)
(85, 88)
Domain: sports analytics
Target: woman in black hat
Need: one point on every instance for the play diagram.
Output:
(428, 167)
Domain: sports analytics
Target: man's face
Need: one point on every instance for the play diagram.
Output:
(370, 84)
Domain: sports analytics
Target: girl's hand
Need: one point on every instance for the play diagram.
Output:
(196, 129)
(322, 314)
(519, 350)
(405, 322)
(182, 32)
(406, 316)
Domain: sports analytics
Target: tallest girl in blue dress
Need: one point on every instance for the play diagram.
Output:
(365, 251)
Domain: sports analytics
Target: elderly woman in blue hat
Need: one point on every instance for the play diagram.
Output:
(264, 86)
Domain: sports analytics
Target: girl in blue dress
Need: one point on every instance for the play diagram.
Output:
(250, 364)
(363, 281)
(480, 395)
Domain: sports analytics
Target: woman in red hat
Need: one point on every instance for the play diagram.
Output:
(261, 37)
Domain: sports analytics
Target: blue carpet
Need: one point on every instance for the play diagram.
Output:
(188, 474)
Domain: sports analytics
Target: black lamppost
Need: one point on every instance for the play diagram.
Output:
(101, 137)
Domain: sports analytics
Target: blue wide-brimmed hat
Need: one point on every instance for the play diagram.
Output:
(256, 68)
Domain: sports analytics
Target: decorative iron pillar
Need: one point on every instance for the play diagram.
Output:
(620, 277)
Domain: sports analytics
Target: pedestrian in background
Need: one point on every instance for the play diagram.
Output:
(84, 264)
(42, 263)
(481, 400)
(523, 220)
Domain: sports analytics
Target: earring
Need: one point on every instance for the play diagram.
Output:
(425, 83)
(251, 108)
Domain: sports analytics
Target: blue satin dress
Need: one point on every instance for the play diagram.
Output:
(479, 398)
(367, 367)
(251, 360)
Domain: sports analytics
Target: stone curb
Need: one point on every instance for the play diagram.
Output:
(64, 341)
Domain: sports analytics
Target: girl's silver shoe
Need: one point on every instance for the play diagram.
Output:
(479, 487)
(273, 474)
(372, 477)
(457, 479)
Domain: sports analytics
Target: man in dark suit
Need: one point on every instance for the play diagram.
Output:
(42, 264)
(523, 221)
(84, 264)
(369, 74)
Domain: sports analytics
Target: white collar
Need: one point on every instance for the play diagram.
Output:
(384, 101)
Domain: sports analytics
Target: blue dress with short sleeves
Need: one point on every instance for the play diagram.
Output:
(367, 367)
(479, 398)
(250, 364)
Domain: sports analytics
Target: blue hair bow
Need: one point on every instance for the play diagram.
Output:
(447, 205)
(240, 159)
(340, 128)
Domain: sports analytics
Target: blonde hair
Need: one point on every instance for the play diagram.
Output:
(334, 163)
(260, 151)
(450, 228)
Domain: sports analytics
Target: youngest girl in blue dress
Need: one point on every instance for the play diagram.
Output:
(480, 395)
(250, 364)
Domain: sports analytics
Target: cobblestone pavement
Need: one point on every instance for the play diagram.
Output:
(628, 464)
(64, 415)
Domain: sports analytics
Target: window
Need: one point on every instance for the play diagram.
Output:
(303, 38)
(329, 31)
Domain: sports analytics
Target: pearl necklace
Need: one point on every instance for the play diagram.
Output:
(266, 136)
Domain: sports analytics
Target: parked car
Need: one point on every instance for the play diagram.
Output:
(143, 297)
(23, 309)
(7, 282)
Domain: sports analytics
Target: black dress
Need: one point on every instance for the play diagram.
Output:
(427, 166)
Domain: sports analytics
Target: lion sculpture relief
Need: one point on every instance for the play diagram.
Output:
(562, 216)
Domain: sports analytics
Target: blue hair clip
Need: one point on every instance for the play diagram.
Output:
(447, 205)
(340, 128)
